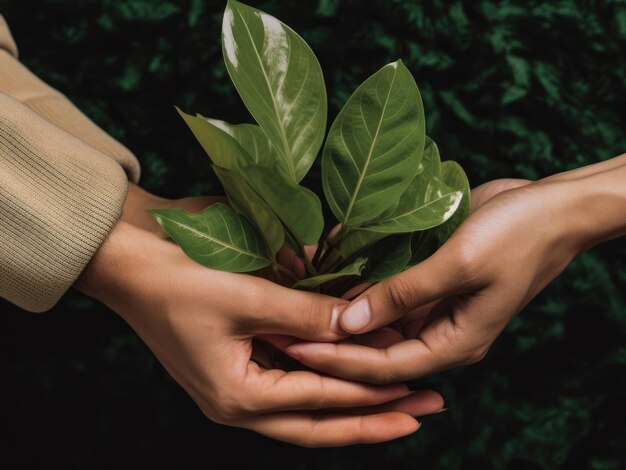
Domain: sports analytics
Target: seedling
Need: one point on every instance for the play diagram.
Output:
(394, 200)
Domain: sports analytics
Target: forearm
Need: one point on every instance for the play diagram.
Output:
(124, 264)
(594, 201)
(589, 170)
(606, 203)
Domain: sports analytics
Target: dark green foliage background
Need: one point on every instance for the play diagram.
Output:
(512, 88)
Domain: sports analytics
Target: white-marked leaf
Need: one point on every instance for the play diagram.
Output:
(296, 206)
(424, 244)
(251, 137)
(223, 150)
(280, 81)
(453, 175)
(356, 240)
(420, 209)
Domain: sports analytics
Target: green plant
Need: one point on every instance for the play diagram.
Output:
(382, 176)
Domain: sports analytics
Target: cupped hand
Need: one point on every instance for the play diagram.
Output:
(201, 323)
(448, 310)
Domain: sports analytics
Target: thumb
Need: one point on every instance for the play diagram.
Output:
(392, 298)
(283, 311)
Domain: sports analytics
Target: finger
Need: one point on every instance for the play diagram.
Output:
(486, 191)
(356, 290)
(278, 341)
(434, 278)
(413, 323)
(456, 336)
(440, 346)
(277, 390)
(420, 403)
(402, 361)
(380, 339)
(288, 258)
(331, 430)
(309, 251)
(271, 309)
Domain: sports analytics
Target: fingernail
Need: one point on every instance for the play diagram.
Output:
(440, 411)
(334, 320)
(357, 317)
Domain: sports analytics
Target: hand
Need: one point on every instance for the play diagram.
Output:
(200, 324)
(138, 201)
(450, 308)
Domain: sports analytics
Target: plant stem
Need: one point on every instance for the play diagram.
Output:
(332, 242)
(335, 265)
(331, 257)
(307, 263)
(324, 258)
(301, 252)
(318, 253)
(335, 239)
(279, 267)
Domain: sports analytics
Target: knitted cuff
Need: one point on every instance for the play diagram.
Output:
(59, 199)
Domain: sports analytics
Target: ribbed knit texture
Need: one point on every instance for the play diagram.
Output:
(17, 81)
(59, 198)
(61, 185)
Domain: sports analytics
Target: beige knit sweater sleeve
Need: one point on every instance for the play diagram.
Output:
(63, 183)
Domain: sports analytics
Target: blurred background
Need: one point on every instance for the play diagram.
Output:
(511, 88)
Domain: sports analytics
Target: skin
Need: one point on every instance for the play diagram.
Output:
(448, 310)
(200, 324)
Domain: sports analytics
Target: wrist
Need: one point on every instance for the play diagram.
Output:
(136, 204)
(121, 268)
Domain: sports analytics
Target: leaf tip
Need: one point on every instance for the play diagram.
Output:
(181, 113)
(156, 215)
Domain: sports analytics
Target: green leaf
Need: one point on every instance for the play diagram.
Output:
(388, 257)
(430, 164)
(229, 157)
(354, 269)
(453, 175)
(427, 203)
(374, 146)
(247, 202)
(299, 208)
(216, 237)
(223, 150)
(356, 240)
(280, 81)
(250, 136)
(424, 244)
